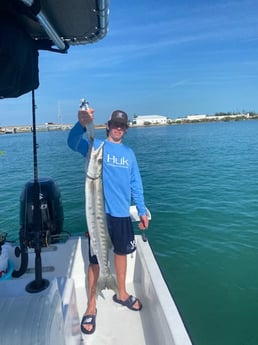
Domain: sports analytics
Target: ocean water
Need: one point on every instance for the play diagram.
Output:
(201, 186)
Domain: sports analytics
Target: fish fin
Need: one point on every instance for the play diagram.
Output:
(100, 286)
(100, 293)
(111, 283)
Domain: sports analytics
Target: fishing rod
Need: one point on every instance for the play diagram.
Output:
(32, 237)
(39, 283)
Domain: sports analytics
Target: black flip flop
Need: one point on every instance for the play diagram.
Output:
(88, 320)
(129, 303)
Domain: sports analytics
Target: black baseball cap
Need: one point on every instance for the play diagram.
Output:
(119, 117)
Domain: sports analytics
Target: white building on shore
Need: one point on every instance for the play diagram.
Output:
(150, 120)
(196, 117)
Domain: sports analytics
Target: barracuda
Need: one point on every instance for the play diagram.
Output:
(96, 218)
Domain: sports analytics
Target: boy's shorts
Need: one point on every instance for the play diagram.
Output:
(121, 235)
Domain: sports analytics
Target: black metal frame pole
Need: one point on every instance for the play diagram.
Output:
(38, 284)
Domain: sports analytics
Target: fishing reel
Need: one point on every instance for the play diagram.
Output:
(84, 104)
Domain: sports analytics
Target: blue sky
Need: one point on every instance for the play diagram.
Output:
(171, 58)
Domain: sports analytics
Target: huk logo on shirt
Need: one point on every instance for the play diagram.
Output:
(119, 162)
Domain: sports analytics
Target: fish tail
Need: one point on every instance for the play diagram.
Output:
(106, 282)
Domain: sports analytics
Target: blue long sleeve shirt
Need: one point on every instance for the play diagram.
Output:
(121, 177)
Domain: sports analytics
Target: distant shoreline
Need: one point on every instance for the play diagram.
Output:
(39, 128)
(171, 122)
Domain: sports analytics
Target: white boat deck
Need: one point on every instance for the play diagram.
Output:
(53, 316)
(124, 327)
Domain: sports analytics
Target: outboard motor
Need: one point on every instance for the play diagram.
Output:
(51, 212)
(52, 218)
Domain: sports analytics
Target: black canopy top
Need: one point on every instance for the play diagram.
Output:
(55, 21)
(27, 26)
